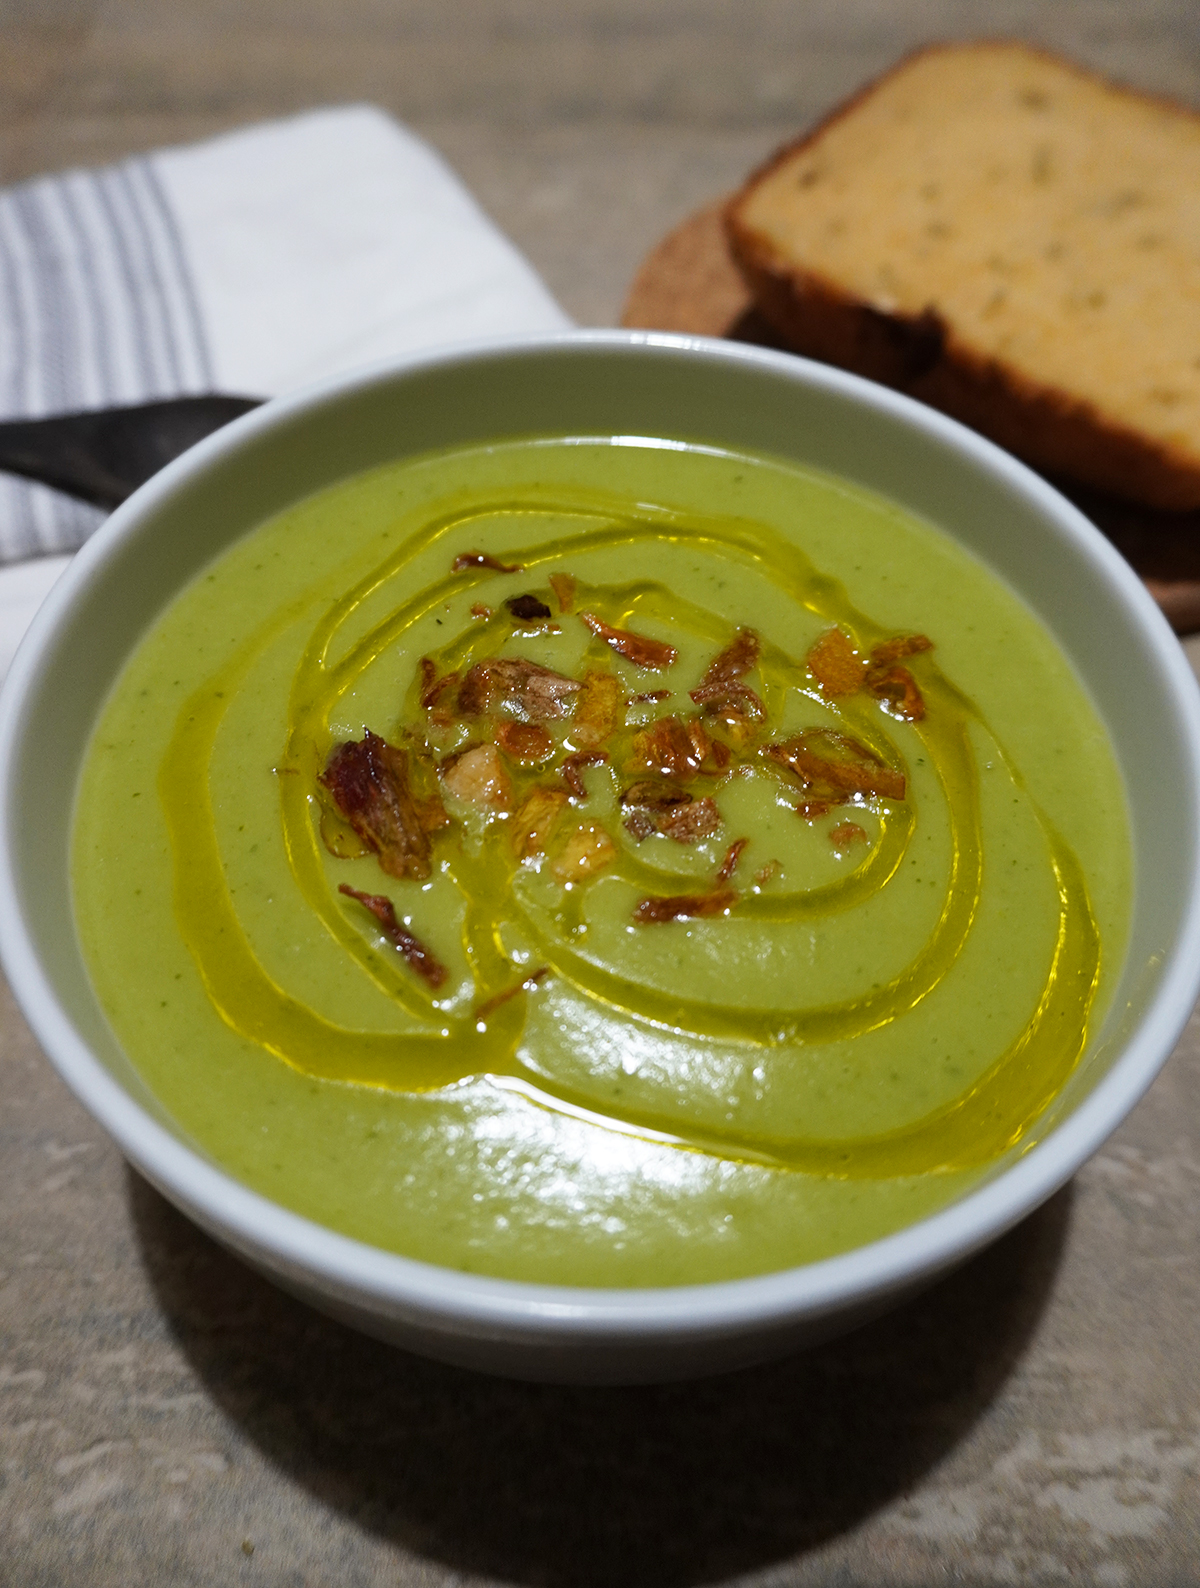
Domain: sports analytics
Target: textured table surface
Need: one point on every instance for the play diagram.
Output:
(166, 1417)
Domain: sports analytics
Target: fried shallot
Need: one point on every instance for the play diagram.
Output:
(684, 906)
(476, 775)
(899, 691)
(482, 559)
(563, 585)
(525, 742)
(587, 850)
(369, 782)
(654, 655)
(835, 664)
(721, 690)
(668, 748)
(640, 823)
(847, 833)
(660, 807)
(527, 607)
(685, 823)
(896, 650)
(534, 821)
(841, 670)
(655, 794)
(732, 855)
(524, 689)
(596, 709)
(738, 658)
(833, 767)
(425, 963)
(574, 764)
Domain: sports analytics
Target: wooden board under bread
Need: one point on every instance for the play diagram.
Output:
(689, 283)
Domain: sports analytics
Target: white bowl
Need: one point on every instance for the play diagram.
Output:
(598, 383)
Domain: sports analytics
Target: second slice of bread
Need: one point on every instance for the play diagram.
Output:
(1011, 239)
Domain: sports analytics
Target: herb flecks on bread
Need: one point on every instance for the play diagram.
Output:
(1013, 240)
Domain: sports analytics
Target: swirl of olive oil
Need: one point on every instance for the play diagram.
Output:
(990, 1117)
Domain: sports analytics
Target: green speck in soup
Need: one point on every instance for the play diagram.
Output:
(754, 934)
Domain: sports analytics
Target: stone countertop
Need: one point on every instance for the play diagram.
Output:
(168, 1418)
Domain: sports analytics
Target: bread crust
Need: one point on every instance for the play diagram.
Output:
(1052, 429)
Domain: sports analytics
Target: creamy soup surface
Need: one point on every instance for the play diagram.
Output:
(602, 861)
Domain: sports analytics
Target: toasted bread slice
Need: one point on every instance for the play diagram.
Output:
(1011, 239)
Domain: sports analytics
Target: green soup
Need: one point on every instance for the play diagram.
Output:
(767, 867)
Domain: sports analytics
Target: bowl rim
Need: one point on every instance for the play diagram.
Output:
(468, 1303)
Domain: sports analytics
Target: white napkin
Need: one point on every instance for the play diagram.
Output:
(252, 263)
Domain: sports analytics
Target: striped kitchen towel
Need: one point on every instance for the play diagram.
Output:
(252, 264)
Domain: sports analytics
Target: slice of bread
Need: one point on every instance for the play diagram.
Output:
(1011, 239)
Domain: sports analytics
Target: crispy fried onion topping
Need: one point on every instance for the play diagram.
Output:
(841, 670)
(596, 709)
(369, 781)
(563, 585)
(523, 689)
(732, 855)
(697, 819)
(573, 765)
(654, 655)
(897, 649)
(380, 809)
(847, 833)
(676, 749)
(587, 850)
(425, 963)
(661, 807)
(655, 795)
(534, 821)
(476, 775)
(721, 691)
(482, 559)
(836, 664)
(684, 906)
(832, 768)
(525, 742)
(527, 607)
(897, 689)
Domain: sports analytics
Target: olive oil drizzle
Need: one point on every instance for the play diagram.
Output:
(989, 1118)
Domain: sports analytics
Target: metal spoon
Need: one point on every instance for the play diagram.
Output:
(103, 456)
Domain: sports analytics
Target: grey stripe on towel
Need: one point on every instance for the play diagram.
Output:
(97, 306)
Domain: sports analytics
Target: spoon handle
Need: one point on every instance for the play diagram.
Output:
(104, 455)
